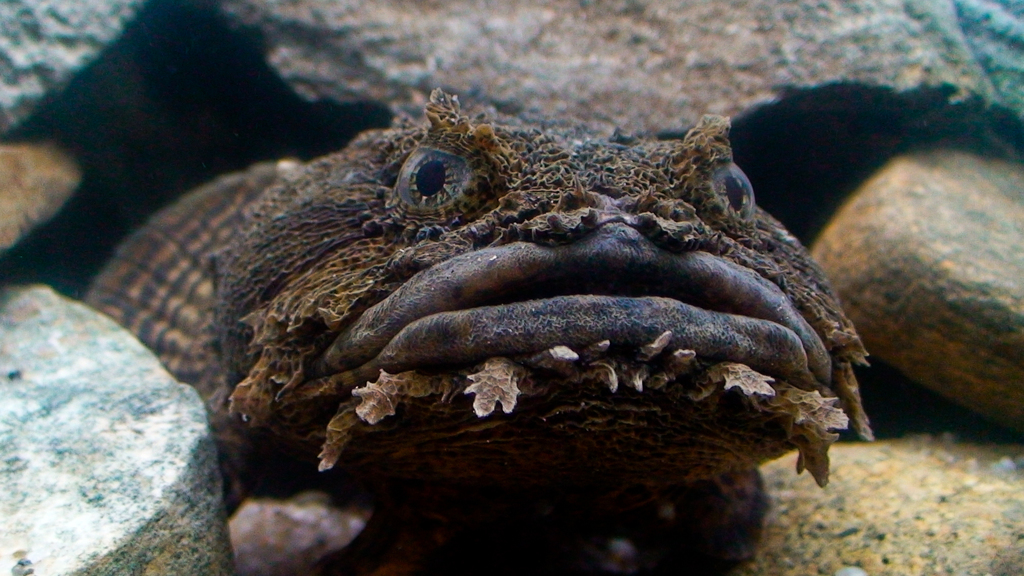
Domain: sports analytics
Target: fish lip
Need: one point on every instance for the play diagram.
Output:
(500, 275)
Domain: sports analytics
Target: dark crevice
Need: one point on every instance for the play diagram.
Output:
(178, 99)
(898, 406)
(808, 150)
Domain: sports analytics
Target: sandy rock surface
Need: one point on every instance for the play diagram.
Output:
(893, 508)
(928, 259)
(106, 462)
(643, 65)
(43, 43)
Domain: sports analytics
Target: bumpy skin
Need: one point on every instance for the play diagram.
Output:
(647, 334)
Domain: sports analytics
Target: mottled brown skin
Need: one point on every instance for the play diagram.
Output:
(649, 335)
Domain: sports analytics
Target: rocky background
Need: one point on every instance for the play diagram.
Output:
(109, 109)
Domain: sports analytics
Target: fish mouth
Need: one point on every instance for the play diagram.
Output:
(612, 285)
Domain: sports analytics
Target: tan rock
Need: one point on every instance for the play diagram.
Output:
(35, 180)
(928, 259)
(915, 506)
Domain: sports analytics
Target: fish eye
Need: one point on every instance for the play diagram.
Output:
(432, 179)
(731, 182)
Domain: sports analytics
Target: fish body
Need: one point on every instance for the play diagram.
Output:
(481, 317)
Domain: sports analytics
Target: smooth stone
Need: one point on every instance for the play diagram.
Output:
(286, 537)
(107, 463)
(928, 260)
(914, 506)
(35, 181)
(43, 43)
(642, 65)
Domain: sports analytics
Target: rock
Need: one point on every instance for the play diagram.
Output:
(927, 258)
(643, 65)
(107, 464)
(285, 537)
(994, 30)
(914, 506)
(43, 43)
(35, 180)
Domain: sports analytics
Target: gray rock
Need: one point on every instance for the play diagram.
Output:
(994, 30)
(44, 42)
(644, 65)
(915, 506)
(106, 463)
(928, 259)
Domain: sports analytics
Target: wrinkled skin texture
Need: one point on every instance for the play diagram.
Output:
(482, 320)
